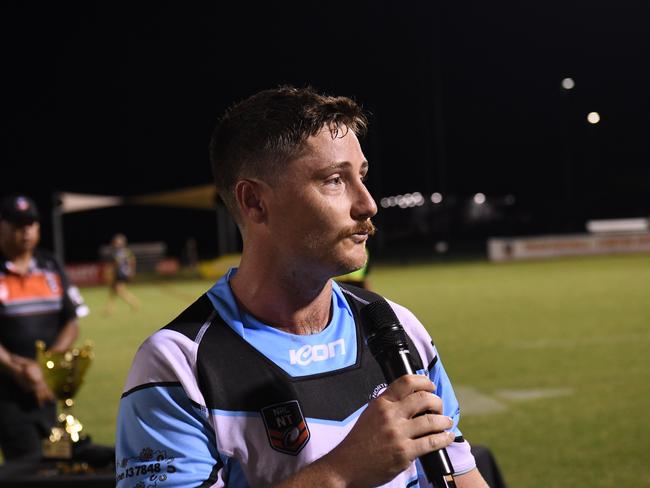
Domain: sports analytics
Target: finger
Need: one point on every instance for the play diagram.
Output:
(427, 424)
(420, 402)
(407, 384)
(432, 442)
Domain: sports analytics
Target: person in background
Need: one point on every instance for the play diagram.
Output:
(122, 270)
(266, 379)
(37, 302)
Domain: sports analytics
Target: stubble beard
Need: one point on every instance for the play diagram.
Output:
(348, 263)
(336, 258)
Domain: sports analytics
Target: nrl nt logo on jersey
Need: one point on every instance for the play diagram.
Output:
(286, 427)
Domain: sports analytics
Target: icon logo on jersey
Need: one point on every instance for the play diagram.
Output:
(286, 427)
(320, 352)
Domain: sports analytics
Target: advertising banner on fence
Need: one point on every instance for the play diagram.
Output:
(506, 249)
(86, 274)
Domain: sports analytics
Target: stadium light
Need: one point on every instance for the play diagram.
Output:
(593, 117)
(479, 198)
(408, 200)
(436, 197)
(418, 199)
(568, 83)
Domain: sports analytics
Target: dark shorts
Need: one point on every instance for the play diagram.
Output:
(120, 277)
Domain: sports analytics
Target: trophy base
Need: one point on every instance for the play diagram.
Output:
(60, 447)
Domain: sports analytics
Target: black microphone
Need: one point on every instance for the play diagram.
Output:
(387, 343)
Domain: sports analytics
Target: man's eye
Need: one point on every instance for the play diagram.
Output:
(336, 180)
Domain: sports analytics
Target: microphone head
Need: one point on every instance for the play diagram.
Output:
(382, 328)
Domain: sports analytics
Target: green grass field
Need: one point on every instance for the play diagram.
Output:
(549, 359)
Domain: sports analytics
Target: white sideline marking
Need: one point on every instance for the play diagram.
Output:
(524, 395)
(473, 402)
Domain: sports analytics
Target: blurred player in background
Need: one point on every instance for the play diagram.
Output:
(122, 270)
(37, 302)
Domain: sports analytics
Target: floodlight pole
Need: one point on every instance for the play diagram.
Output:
(438, 106)
(57, 228)
(439, 120)
(568, 176)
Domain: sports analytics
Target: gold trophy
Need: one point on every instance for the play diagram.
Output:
(64, 373)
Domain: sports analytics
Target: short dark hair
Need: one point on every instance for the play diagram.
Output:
(262, 134)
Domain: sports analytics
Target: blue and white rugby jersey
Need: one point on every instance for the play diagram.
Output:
(218, 399)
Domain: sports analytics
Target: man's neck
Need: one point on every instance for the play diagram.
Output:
(290, 303)
(20, 260)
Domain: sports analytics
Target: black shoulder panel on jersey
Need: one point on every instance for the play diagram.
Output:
(359, 297)
(234, 376)
(190, 321)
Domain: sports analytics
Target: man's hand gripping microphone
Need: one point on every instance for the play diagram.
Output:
(387, 342)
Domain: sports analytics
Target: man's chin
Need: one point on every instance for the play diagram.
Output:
(348, 260)
(351, 266)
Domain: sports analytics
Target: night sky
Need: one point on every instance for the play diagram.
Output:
(464, 97)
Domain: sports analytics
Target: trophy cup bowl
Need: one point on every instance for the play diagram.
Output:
(64, 373)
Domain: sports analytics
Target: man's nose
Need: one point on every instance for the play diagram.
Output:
(364, 206)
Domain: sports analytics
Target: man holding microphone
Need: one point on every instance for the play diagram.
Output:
(267, 379)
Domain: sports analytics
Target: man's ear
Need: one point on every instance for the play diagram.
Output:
(250, 200)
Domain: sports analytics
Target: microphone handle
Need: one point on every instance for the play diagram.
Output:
(436, 464)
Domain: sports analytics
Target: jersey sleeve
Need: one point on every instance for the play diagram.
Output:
(74, 302)
(459, 452)
(164, 432)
